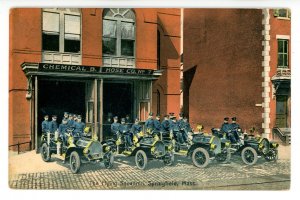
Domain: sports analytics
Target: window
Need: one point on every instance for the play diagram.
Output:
(282, 13)
(61, 30)
(283, 53)
(50, 31)
(118, 32)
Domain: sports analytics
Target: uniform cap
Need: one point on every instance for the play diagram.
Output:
(115, 117)
(75, 115)
(171, 113)
(66, 113)
(123, 120)
(46, 115)
(54, 116)
(137, 119)
(233, 118)
(78, 116)
(226, 118)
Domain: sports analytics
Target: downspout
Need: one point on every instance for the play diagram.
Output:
(181, 59)
(266, 73)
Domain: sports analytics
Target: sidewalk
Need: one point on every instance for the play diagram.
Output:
(31, 162)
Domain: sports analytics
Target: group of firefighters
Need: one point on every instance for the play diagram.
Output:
(154, 126)
(69, 121)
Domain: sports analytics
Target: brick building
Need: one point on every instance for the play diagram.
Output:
(236, 62)
(93, 62)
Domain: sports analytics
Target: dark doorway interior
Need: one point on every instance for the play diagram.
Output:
(57, 97)
(117, 101)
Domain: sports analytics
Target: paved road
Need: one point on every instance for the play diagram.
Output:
(182, 175)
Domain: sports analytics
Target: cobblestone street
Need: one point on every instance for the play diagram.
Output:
(182, 175)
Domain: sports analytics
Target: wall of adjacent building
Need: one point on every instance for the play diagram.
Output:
(223, 66)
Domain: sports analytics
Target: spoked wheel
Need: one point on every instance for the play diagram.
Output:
(75, 162)
(249, 156)
(200, 157)
(109, 160)
(46, 156)
(169, 160)
(272, 155)
(141, 159)
(224, 157)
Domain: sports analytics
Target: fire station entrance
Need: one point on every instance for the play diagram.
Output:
(96, 93)
(118, 100)
(56, 97)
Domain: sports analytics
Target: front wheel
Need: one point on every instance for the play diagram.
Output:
(109, 160)
(272, 155)
(75, 162)
(45, 153)
(224, 157)
(141, 159)
(200, 157)
(249, 156)
(169, 160)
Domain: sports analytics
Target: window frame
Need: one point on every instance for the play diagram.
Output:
(118, 38)
(62, 26)
(283, 53)
(288, 14)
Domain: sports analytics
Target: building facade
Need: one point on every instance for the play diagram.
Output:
(236, 62)
(95, 62)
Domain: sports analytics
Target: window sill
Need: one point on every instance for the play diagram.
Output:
(284, 18)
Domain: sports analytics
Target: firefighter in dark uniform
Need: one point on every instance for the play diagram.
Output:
(175, 130)
(149, 124)
(45, 125)
(157, 125)
(75, 117)
(226, 128)
(136, 127)
(186, 127)
(125, 130)
(180, 120)
(62, 130)
(79, 126)
(53, 124)
(66, 115)
(171, 116)
(71, 121)
(165, 125)
(128, 121)
(115, 128)
(235, 128)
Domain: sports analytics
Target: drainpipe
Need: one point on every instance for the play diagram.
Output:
(266, 73)
(181, 58)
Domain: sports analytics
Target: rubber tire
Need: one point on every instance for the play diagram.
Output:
(109, 163)
(145, 159)
(228, 158)
(75, 168)
(272, 159)
(206, 155)
(47, 157)
(170, 161)
(254, 154)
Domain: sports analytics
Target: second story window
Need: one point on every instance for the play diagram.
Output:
(118, 32)
(283, 46)
(50, 35)
(61, 30)
(282, 13)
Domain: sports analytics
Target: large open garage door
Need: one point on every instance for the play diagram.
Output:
(56, 97)
(118, 100)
